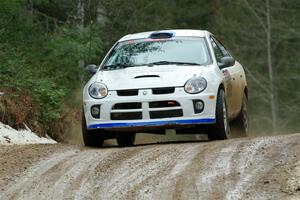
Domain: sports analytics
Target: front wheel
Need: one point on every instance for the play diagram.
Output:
(221, 129)
(91, 138)
(125, 139)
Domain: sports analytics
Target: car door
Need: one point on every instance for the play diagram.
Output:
(231, 76)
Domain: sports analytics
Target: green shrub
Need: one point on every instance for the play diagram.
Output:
(41, 62)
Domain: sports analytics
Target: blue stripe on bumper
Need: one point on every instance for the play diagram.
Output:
(155, 123)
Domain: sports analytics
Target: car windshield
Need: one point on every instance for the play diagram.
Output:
(179, 51)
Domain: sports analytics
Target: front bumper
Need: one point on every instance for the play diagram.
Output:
(146, 124)
(144, 97)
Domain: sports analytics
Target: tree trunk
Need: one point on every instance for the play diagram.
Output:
(270, 68)
(29, 7)
(80, 12)
(80, 22)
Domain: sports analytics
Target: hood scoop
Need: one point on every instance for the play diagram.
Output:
(147, 76)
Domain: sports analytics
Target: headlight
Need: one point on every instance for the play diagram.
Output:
(195, 85)
(98, 90)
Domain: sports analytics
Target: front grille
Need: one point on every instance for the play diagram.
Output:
(120, 106)
(134, 92)
(126, 116)
(166, 90)
(163, 104)
(166, 114)
(154, 110)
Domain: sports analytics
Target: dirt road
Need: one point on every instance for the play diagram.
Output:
(258, 168)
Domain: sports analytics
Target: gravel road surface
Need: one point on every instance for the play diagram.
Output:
(248, 168)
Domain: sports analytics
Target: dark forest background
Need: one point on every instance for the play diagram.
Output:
(45, 44)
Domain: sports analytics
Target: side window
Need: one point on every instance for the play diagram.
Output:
(217, 50)
(222, 48)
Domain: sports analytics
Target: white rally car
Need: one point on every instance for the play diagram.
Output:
(169, 79)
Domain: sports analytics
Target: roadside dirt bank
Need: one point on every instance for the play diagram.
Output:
(248, 168)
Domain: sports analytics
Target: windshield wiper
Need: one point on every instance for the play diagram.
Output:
(171, 63)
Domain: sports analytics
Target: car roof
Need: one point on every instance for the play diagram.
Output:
(176, 32)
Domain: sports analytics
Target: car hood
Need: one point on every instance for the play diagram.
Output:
(148, 77)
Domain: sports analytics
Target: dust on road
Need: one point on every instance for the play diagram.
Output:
(258, 168)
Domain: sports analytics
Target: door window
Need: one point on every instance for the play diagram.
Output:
(217, 50)
(222, 47)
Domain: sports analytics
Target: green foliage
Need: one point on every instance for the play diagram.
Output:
(43, 62)
(50, 97)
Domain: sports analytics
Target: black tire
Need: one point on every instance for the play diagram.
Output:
(240, 125)
(125, 139)
(221, 129)
(91, 138)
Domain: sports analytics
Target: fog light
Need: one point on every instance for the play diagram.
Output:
(198, 106)
(95, 111)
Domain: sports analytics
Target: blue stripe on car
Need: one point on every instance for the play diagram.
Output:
(156, 123)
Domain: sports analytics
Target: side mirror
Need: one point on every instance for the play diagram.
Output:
(226, 62)
(92, 68)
